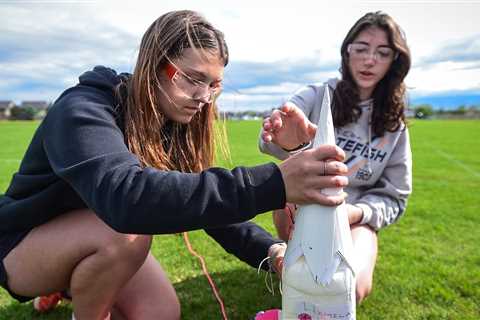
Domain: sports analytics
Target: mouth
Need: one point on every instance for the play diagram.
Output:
(366, 74)
(193, 109)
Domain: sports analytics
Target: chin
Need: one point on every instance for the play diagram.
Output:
(367, 85)
(186, 119)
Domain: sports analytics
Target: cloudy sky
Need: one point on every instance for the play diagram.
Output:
(275, 48)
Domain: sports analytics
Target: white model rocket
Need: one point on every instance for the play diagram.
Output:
(318, 281)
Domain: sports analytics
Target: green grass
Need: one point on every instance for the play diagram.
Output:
(14, 140)
(428, 265)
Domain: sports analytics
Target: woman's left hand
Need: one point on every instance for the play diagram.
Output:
(288, 127)
(276, 252)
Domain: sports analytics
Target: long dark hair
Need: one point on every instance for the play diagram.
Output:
(389, 94)
(157, 141)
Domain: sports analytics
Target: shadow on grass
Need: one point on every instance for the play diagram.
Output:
(242, 290)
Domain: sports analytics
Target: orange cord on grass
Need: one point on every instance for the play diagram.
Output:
(205, 272)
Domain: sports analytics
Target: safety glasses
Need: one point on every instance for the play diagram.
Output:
(192, 88)
(361, 51)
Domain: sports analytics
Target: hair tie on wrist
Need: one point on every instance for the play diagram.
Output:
(296, 148)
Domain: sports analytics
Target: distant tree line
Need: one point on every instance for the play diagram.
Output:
(426, 111)
(36, 110)
(422, 111)
(17, 113)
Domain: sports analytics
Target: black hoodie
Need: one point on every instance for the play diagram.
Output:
(78, 159)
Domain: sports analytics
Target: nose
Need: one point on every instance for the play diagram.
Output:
(203, 99)
(370, 59)
(203, 94)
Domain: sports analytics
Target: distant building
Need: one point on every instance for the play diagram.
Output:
(5, 109)
(245, 115)
(40, 107)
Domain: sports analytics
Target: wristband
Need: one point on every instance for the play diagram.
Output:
(300, 147)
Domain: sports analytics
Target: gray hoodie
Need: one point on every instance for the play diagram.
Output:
(380, 185)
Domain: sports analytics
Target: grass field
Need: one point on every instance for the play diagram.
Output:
(428, 265)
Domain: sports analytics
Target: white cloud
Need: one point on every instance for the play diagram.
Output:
(258, 97)
(282, 88)
(445, 76)
(466, 49)
(45, 45)
(242, 102)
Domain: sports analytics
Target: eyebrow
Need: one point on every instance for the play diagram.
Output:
(200, 75)
(368, 44)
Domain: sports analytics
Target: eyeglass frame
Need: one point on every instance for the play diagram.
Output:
(375, 54)
(173, 71)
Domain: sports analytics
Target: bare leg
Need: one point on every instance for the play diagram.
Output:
(365, 247)
(77, 251)
(148, 295)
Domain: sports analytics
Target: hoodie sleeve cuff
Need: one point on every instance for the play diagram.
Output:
(367, 213)
(269, 187)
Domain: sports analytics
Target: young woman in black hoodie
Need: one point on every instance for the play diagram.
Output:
(121, 157)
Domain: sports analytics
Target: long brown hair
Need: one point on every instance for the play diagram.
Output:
(389, 94)
(157, 141)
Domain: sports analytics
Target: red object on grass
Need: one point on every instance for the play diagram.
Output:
(47, 303)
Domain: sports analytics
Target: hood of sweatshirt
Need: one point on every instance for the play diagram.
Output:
(100, 77)
(106, 80)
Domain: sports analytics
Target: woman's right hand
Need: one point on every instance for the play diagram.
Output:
(305, 174)
(288, 127)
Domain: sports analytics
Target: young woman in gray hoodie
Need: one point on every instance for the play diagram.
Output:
(368, 112)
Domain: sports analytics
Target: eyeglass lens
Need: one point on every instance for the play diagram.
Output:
(362, 51)
(193, 88)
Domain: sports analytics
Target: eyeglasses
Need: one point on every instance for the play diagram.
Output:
(193, 88)
(363, 52)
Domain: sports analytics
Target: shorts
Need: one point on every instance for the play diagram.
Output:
(8, 241)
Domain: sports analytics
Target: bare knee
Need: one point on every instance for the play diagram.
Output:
(363, 289)
(113, 246)
(129, 251)
(365, 243)
(110, 252)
